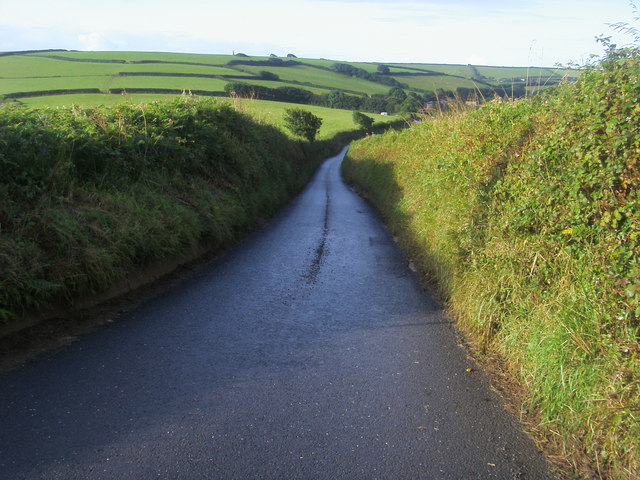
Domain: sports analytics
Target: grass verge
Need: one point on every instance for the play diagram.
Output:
(525, 218)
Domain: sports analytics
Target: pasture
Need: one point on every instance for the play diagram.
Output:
(25, 76)
(333, 120)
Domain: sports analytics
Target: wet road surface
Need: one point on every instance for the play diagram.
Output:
(308, 352)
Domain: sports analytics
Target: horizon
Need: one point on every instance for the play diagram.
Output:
(541, 33)
(160, 52)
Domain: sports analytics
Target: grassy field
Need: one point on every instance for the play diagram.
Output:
(94, 100)
(433, 82)
(522, 72)
(57, 70)
(179, 83)
(275, 84)
(209, 59)
(179, 68)
(333, 120)
(8, 86)
(301, 74)
(491, 73)
(525, 217)
(455, 70)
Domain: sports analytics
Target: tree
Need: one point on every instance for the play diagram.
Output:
(383, 69)
(339, 99)
(266, 75)
(375, 103)
(398, 94)
(410, 105)
(429, 96)
(303, 123)
(362, 120)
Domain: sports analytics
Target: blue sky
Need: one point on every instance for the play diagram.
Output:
(483, 32)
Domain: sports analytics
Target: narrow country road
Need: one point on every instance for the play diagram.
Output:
(310, 351)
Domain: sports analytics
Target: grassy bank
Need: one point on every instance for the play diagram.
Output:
(525, 217)
(89, 196)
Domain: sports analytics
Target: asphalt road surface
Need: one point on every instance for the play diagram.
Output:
(310, 351)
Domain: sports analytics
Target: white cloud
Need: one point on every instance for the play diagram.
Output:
(477, 60)
(91, 41)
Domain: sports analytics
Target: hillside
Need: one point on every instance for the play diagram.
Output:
(93, 78)
(525, 217)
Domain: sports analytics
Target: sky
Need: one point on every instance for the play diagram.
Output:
(479, 32)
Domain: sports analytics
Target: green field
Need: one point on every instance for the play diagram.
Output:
(272, 84)
(93, 100)
(304, 74)
(210, 59)
(433, 82)
(333, 120)
(27, 77)
(454, 70)
(492, 74)
(35, 84)
(176, 83)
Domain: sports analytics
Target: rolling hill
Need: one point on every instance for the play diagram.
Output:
(59, 77)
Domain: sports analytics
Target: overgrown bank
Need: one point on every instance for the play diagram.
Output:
(89, 196)
(526, 216)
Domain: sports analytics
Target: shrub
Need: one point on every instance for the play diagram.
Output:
(266, 75)
(362, 120)
(303, 123)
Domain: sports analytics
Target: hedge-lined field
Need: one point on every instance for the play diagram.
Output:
(24, 72)
(526, 217)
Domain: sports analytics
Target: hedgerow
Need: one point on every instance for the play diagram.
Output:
(90, 195)
(526, 216)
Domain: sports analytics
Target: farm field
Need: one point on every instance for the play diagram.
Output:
(433, 82)
(174, 83)
(24, 76)
(94, 99)
(333, 120)
(304, 74)
(490, 72)
(39, 84)
(454, 70)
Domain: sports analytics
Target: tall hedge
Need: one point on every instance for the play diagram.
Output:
(89, 195)
(526, 216)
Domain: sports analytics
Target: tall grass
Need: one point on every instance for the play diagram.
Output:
(525, 216)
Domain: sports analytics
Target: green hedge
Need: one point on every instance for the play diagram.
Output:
(89, 195)
(526, 215)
